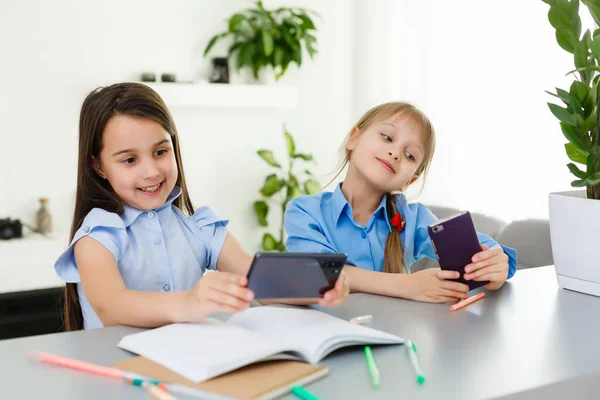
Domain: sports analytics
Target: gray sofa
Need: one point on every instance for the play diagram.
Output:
(530, 237)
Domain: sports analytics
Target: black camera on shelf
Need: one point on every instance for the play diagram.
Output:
(10, 229)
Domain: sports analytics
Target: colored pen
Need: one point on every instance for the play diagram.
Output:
(372, 367)
(88, 367)
(156, 392)
(304, 394)
(411, 350)
(466, 302)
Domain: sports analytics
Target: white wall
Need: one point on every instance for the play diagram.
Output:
(479, 70)
(53, 53)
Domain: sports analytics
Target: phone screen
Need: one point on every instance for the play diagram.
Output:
(273, 278)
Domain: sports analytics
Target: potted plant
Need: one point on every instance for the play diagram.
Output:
(268, 39)
(575, 215)
(287, 184)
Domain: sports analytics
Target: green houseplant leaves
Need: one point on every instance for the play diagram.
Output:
(261, 37)
(280, 187)
(579, 112)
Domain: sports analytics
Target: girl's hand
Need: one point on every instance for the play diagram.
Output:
(430, 285)
(217, 292)
(338, 294)
(488, 265)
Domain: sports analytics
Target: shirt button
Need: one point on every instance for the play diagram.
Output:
(363, 234)
(86, 229)
(156, 240)
(166, 287)
(151, 214)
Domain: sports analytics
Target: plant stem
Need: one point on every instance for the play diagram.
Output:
(284, 203)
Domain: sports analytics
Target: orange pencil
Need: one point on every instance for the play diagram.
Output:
(466, 302)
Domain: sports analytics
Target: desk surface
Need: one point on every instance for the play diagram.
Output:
(526, 335)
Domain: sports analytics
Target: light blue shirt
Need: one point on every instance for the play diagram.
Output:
(323, 223)
(156, 251)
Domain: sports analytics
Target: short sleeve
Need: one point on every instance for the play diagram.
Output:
(305, 234)
(105, 227)
(212, 231)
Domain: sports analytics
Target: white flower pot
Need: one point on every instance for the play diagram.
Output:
(575, 234)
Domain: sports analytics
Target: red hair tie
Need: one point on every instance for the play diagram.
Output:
(398, 221)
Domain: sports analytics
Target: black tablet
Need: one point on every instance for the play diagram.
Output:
(300, 278)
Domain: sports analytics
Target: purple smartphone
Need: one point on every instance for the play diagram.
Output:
(455, 242)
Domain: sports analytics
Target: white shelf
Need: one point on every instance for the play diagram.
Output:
(223, 95)
(28, 263)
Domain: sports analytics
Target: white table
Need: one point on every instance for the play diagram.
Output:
(529, 335)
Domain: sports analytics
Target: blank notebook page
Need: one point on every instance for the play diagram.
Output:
(309, 331)
(200, 351)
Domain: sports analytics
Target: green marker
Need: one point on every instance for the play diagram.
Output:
(411, 349)
(304, 394)
(372, 367)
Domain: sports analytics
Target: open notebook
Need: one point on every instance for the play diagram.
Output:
(211, 348)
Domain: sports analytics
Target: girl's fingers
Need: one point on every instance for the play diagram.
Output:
(452, 293)
(495, 259)
(477, 275)
(492, 277)
(456, 286)
(226, 286)
(485, 254)
(444, 274)
(444, 299)
(227, 300)
(227, 277)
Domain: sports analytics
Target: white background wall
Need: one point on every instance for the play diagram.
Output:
(478, 69)
(53, 53)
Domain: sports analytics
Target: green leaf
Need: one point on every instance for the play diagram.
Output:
(563, 93)
(576, 21)
(558, 18)
(307, 22)
(278, 57)
(596, 47)
(311, 186)
(246, 54)
(594, 179)
(272, 185)
(578, 183)
(588, 124)
(267, 39)
(293, 181)
(292, 193)
(281, 246)
(291, 146)
(309, 47)
(235, 21)
(576, 154)
(576, 171)
(561, 113)
(261, 208)
(269, 243)
(212, 42)
(566, 39)
(268, 156)
(580, 54)
(594, 8)
(579, 91)
(590, 163)
(572, 136)
(305, 157)
(297, 56)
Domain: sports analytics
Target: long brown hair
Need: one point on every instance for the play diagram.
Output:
(393, 253)
(133, 99)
